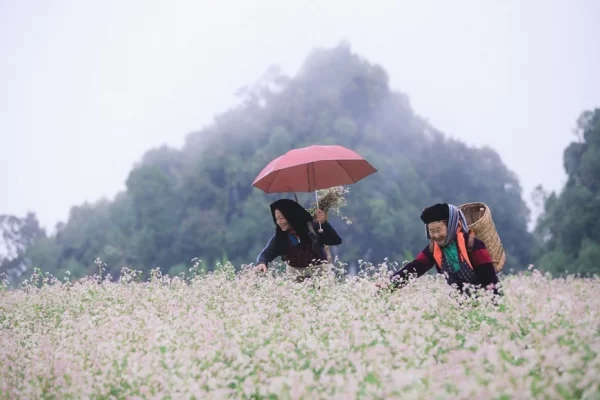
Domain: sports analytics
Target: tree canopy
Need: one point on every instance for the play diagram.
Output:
(197, 201)
(569, 228)
(17, 235)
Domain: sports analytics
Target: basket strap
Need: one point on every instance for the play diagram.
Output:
(470, 241)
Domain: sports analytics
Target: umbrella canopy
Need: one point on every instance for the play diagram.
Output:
(313, 168)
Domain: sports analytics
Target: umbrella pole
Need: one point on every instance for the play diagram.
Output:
(317, 200)
(316, 195)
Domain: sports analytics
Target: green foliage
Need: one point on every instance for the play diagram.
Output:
(198, 202)
(17, 235)
(570, 225)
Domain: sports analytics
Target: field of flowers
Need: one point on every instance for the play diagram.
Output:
(227, 335)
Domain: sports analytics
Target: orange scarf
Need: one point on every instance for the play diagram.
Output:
(462, 249)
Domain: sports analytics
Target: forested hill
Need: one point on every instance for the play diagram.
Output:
(197, 201)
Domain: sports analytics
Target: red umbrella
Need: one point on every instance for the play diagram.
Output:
(313, 168)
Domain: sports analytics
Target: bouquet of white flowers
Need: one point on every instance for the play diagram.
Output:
(333, 200)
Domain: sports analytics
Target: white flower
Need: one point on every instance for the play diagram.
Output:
(213, 336)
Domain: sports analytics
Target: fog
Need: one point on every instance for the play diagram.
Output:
(88, 87)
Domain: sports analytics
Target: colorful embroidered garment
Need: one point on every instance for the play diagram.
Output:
(456, 223)
(457, 271)
(451, 256)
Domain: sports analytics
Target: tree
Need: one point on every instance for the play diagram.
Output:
(568, 227)
(18, 234)
(198, 202)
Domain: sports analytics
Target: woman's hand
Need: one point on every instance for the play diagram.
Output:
(260, 268)
(320, 216)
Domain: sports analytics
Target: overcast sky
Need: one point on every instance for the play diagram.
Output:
(86, 87)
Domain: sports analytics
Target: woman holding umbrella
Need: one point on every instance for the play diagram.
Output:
(298, 240)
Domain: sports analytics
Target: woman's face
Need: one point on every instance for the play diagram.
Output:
(281, 221)
(438, 231)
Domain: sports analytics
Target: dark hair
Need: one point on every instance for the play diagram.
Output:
(298, 218)
(294, 213)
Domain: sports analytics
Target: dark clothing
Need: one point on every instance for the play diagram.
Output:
(299, 253)
(482, 274)
(303, 248)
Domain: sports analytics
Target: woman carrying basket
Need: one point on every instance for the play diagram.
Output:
(454, 251)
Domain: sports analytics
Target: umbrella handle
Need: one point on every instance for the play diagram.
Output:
(317, 199)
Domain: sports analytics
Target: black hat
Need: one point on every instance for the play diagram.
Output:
(437, 212)
(293, 212)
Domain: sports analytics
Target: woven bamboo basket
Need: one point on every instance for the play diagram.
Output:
(479, 218)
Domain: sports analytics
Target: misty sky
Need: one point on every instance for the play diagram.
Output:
(86, 87)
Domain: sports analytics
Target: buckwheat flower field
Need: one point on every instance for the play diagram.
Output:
(228, 335)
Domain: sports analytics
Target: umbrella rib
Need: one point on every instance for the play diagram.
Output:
(308, 174)
(272, 181)
(344, 169)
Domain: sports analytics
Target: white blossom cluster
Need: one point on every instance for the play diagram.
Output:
(243, 335)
